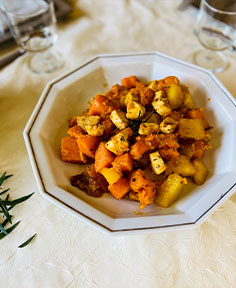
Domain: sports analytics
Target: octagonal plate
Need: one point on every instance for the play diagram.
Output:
(69, 94)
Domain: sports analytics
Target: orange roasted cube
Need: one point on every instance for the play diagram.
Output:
(70, 151)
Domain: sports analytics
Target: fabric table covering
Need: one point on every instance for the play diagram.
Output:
(68, 252)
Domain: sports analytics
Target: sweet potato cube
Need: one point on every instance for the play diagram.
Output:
(120, 188)
(75, 131)
(70, 151)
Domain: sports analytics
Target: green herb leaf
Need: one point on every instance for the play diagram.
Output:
(4, 223)
(17, 201)
(27, 241)
(148, 117)
(5, 191)
(9, 230)
(5, 210)
(3, 230)
(4, 177)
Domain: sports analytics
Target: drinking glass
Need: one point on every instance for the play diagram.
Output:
(216, 30)
(33, 25)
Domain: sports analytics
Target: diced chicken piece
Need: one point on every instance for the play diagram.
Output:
(160, 103)
(158, 165)
(131, 96)
(95, 130)
(82, 121)
(119, 144)
(148, 128)
(119, 120)
(168, 125)
(135, 110)
(153, 85)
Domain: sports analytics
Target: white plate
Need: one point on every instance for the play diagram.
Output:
(69, 95)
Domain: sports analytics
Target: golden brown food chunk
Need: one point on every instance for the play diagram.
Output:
(191, 128)
(70, 151)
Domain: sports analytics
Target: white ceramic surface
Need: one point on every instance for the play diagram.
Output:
(69, 94)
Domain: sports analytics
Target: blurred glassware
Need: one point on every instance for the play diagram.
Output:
(33, 26)
(216, 31)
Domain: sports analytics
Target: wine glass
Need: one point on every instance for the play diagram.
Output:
(33, 25)
(216, 30)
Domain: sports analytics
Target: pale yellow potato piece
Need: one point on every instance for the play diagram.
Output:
(183, 166)
(191, 128)
(111, 175)
(175, 96)
(201, 172)
(188, 99)
(170, 190)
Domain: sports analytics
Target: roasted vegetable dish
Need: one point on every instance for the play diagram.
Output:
(140, 141)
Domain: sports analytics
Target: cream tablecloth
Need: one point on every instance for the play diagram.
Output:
(67, 252)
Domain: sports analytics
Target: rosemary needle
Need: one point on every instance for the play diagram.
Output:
(2, 235)
(27, 241)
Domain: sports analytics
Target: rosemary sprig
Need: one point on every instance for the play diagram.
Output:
(134, 124)
(27, 241)
(5, 206)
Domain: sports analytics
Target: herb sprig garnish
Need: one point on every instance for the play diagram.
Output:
(5, 206)
(134, 124)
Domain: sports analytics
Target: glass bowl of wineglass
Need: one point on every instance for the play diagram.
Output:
(216, 31)
(33, 26)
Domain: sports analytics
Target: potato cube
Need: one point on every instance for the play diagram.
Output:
(191, 128)
(208, 136)
(183, 166)
(158, 165)
(119, 120)
(201, 172)
(148, 128)
(175, 96)
(135, 110)
(188, 100)
(170, 190)
(111, 175)
(168, 125)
